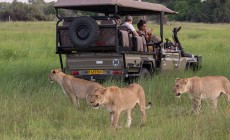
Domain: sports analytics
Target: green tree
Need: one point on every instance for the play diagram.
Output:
(36, 1)
(196, 11)
(18, 11)
(183, 8)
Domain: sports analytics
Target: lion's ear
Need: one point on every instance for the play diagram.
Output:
(53, 71)
(185, 81)
(102, 91)
(177, 79)
(94, 90)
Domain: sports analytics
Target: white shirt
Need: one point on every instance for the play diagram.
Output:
(129, 26)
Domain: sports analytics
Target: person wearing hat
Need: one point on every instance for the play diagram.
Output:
(128, 23)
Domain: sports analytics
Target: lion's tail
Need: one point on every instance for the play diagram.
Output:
(149, 105)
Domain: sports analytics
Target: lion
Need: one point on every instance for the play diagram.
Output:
(199, 88)
(117, 99)
(74, 88)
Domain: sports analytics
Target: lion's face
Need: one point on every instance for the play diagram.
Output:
(97, 98)
(53, 74)
(180, 86)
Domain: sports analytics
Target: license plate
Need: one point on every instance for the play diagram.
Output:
(95, 71)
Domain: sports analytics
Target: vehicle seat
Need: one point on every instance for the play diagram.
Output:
(139, 43)
(108, 22)
(107, 36)
(144, 43)
(136, 43)
(125, 30)
(64, 34)
(124, 38)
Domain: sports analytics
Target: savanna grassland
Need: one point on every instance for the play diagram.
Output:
(32, 108)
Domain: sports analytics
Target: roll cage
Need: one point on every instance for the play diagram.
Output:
(114, 8)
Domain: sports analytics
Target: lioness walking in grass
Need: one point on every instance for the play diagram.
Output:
(198, 88)
(117, 99)
(75, 88)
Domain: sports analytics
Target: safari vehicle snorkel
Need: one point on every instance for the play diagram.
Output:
(96, 48)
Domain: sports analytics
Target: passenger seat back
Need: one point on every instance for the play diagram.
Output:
(138, 43)
(124, 38)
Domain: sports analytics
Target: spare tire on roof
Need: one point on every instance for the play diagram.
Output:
(83, 32)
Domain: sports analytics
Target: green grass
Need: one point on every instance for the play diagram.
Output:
(32, 108)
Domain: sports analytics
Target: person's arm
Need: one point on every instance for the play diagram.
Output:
(135, 33)
(133, 30)
(130, 26)
(148, 34)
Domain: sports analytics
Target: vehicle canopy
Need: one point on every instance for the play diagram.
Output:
(117, 7)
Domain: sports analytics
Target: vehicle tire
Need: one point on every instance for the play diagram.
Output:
(83, 32)
(145, 73)
(192, 66)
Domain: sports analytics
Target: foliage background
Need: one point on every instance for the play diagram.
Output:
(208, 11)
(212, 11)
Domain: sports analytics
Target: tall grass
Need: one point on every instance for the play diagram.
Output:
(32, 108)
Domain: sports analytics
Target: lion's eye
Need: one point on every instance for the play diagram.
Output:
(96, 96)
(177, 86)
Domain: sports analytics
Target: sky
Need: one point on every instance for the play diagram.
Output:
(24, 0)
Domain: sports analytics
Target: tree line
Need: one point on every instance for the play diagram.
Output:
(34, 10)
(211, 11)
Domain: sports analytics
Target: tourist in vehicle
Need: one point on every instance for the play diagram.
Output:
(118, 20)
(143, 30)
(128, 23)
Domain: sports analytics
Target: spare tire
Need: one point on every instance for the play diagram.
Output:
(83, 32)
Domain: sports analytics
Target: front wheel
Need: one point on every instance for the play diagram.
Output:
(192, 66)
(145, 73)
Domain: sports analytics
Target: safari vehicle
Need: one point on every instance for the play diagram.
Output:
(97, 48)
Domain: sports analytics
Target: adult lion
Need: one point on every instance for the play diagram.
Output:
(117, 99)
(199, 88)
(75, 88)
